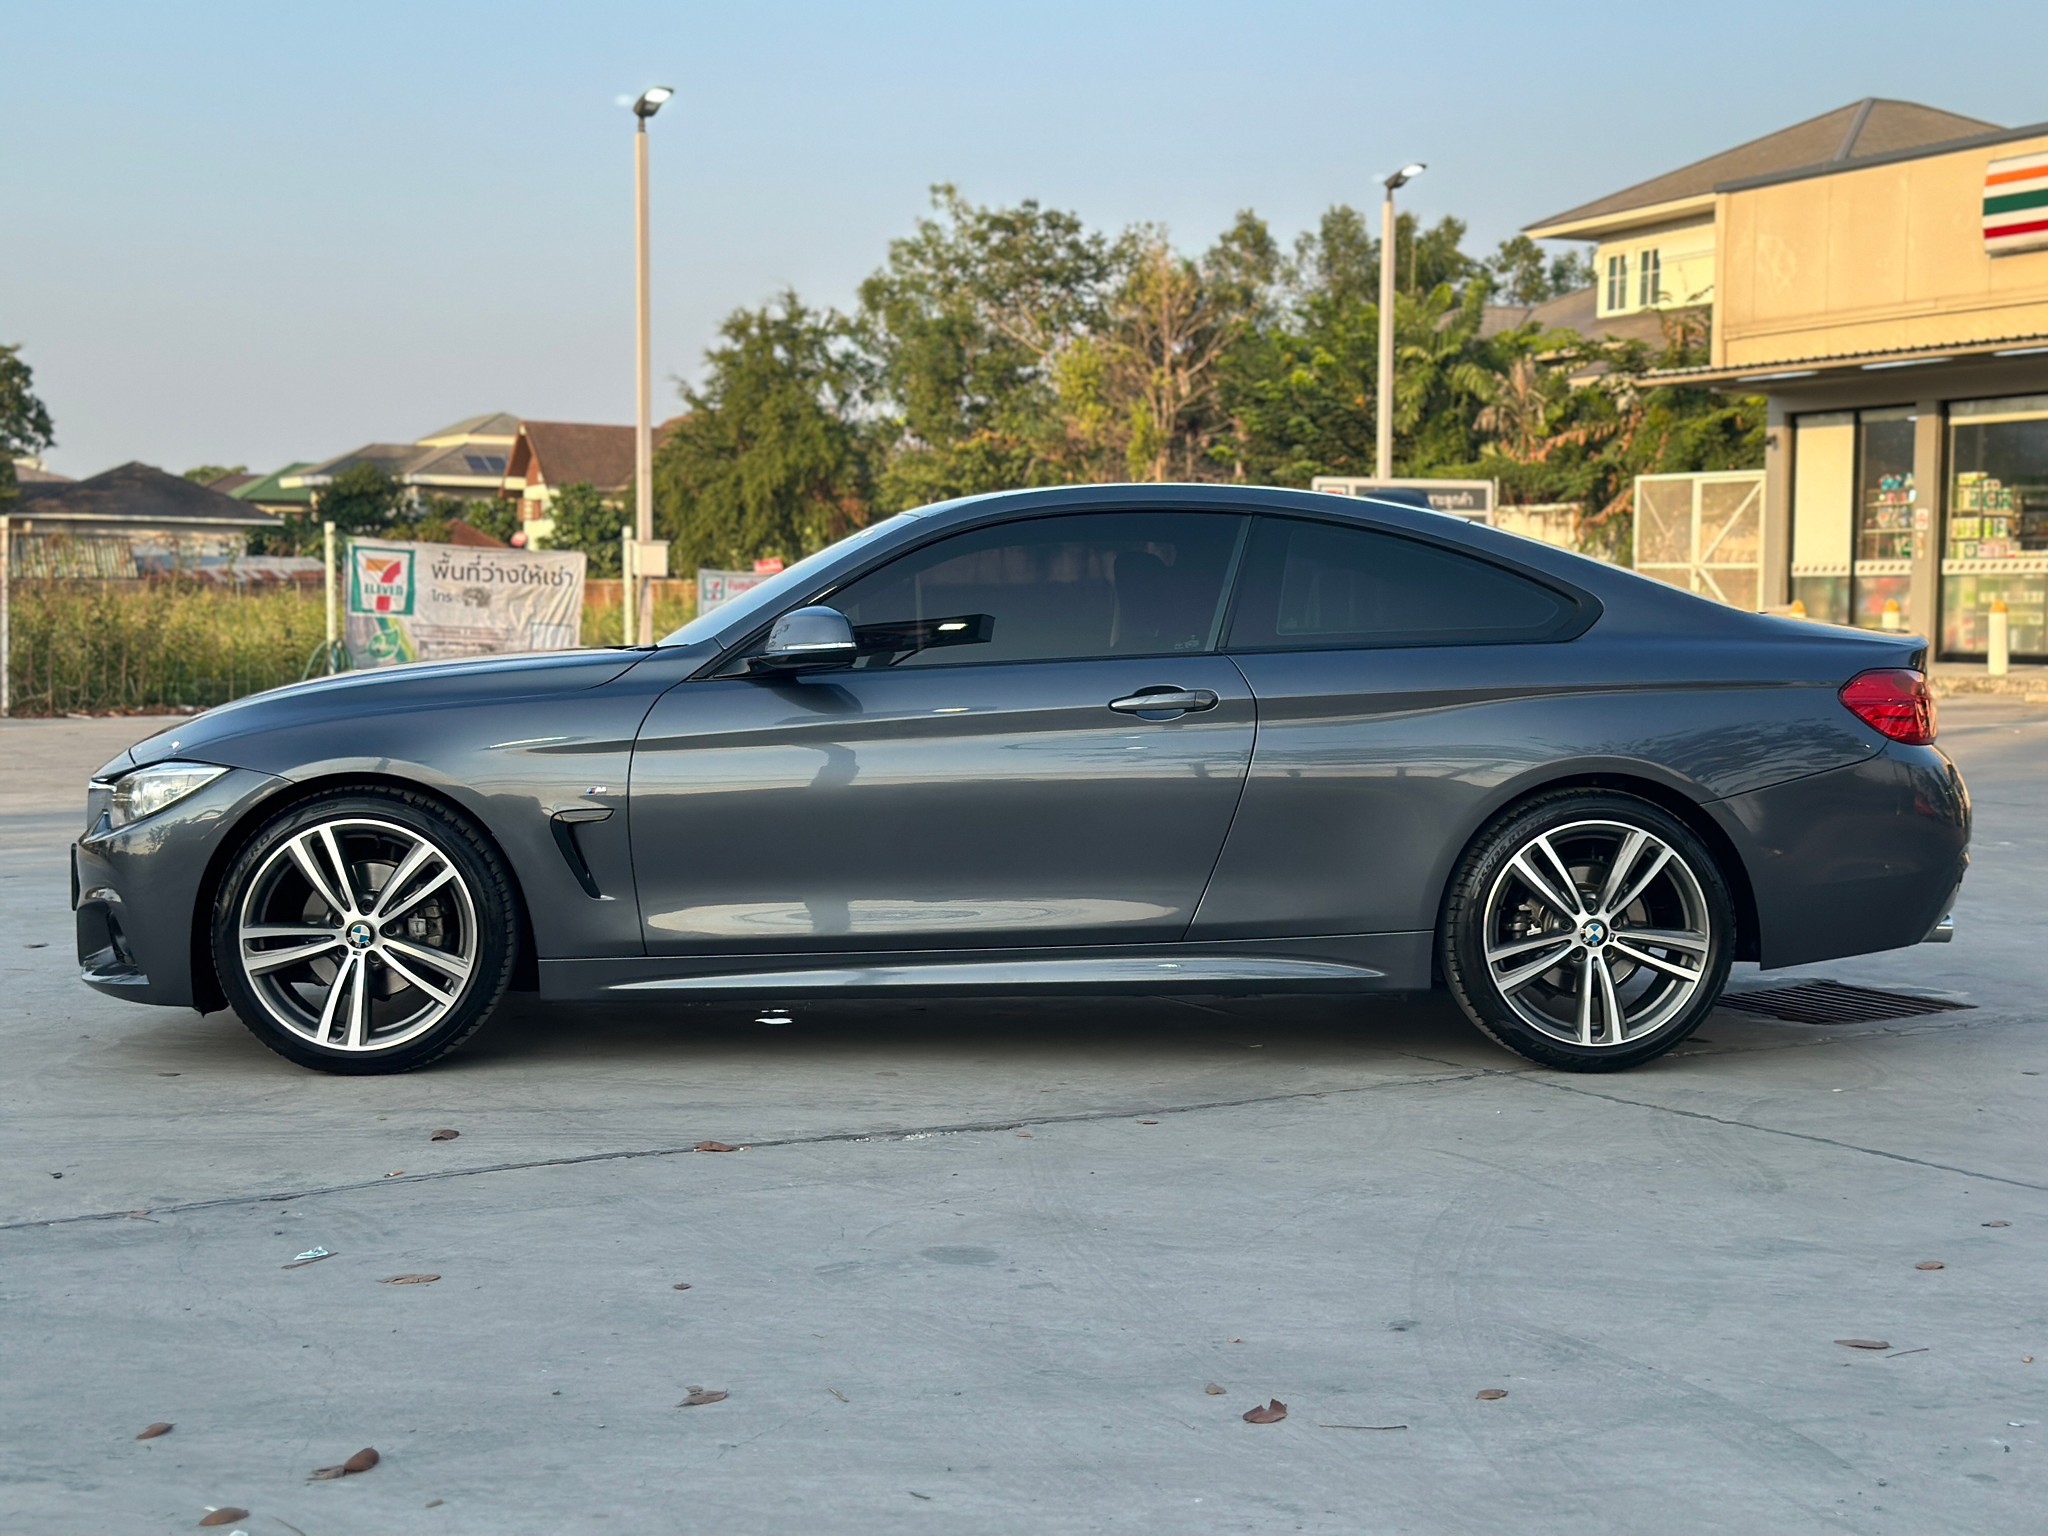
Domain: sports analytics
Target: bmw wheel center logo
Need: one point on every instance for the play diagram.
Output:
(361, 935)
(1594, 934)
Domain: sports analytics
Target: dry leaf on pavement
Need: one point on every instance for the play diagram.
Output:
(1272, 1413)
(409, 1280)
(680, 1285)
(153, 1431)
(227, 1514)
(1491, 1394)
(1930, 1264)
(1213, 1390)
(362, 1461)
(1863, 1343)
(444, 1135)
(1995, 1223)
(699, 1397)
(713, 1146)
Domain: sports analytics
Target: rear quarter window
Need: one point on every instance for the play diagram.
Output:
(1320, 585)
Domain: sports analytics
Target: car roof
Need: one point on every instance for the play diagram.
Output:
(1626, 600)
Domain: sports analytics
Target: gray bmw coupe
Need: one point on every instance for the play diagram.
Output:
(1102, 738)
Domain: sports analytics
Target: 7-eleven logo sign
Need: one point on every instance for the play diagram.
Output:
(380, 580)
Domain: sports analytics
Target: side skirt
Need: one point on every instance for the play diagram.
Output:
(1380, 962)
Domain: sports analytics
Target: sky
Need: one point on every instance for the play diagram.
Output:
(255, 233)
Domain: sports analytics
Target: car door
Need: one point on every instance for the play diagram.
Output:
(1398, 682)
(992, 771)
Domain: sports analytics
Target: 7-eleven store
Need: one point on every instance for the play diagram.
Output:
(1893, 309)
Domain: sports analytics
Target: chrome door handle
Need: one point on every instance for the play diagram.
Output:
(1164, 701)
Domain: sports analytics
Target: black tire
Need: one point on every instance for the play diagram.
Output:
(446, 954)
(1481, 912)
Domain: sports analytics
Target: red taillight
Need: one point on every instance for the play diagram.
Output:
(1893, 701)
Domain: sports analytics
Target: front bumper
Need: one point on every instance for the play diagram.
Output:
(135, 891)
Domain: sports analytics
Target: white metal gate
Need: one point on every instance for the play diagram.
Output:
(1703, 532)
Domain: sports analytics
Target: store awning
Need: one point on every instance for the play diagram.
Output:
(1847, 364)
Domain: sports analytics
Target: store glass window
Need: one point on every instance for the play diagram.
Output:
(1882, 572)
(1995, 542)
(1652, 278)
(1853, 500)
(1823, 504)
(1617, 282)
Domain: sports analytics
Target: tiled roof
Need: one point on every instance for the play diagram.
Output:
(559, 453)
(1862, 130)
(501, 424)
(470, 536)
(471, 463)
(1577, 311)
(137, 493)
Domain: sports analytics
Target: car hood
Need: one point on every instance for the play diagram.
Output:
(385, 690)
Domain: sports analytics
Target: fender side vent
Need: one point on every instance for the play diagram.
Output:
(1833, 1002)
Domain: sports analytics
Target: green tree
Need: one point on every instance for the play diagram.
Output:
(585, 519)
(1143, 397)
(963, 328)
(496, 515)
(362, 499)
(1524, 273)
(426, 519)
(206, 474)
(771, 459)
(25, 428)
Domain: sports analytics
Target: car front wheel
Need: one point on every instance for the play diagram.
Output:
(1588, 931)
(365, 931)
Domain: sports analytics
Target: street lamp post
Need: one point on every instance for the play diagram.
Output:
(636, 587)
(1383, 445)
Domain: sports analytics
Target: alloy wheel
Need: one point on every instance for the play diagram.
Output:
(358, 934)
(1597, 933)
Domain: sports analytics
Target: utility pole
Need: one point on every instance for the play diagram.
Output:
(6, 629)
(1383, 424)
(637, 588)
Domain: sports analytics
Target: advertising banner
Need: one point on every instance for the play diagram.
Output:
(424, 602)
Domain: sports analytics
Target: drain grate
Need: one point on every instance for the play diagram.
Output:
(1833, 1002)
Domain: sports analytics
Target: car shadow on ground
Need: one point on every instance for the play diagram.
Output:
(1128, 1038)
(1131, 1033)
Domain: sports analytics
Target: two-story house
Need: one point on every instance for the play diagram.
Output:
(1880, 275)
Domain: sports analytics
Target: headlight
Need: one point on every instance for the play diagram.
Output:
(148, 790)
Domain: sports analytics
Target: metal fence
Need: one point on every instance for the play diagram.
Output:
(1703, 532)
(88, 628)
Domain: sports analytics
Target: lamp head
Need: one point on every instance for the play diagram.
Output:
(650, 101)
(1403, 176)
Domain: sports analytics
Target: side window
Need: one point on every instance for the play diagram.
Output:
(1318, 585)
(1049, 589)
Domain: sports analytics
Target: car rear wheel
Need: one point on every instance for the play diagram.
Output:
(366, 931)
(1588, 931)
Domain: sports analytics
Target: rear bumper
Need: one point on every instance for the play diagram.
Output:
(1856, 860)
(135, 891)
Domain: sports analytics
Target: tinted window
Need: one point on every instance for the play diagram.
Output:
(1049, 589)
(1316, 584)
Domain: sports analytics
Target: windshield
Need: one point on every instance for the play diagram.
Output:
(756, 601)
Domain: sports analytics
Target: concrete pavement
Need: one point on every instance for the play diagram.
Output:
(955, 1279)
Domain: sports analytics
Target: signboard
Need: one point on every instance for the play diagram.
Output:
(1472, 500)
(2016, 204)
(715, 587)
(423, 602)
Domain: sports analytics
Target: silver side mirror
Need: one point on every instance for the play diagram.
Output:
(817, 638)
